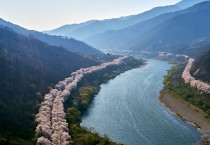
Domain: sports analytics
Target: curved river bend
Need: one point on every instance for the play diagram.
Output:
(127, 109)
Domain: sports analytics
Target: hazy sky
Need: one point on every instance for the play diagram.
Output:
(48, 14)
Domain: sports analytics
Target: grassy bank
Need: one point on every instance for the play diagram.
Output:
(81, 98)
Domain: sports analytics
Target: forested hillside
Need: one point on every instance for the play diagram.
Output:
(28, 68)
(201, 67)
(70, 44)
(177, 87)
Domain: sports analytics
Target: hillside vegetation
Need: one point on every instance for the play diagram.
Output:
(176, 86)
(201, 67)
(81, 98)
(70, 44)
(28, 68)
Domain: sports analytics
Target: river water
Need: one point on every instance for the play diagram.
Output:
(127, 109)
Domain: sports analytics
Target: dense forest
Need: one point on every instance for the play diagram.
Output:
(201, 67)
(28, 69)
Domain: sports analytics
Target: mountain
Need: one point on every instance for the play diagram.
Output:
(118, 39)
(201, 67)
(62, 31)
(154, 32)
(88, 29)
(194, 48)
(178, 30)
(68, 43)
(28, 68)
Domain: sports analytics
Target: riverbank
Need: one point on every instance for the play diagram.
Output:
(81, 98)
(186, 102)
(128, 111)
(186, 111)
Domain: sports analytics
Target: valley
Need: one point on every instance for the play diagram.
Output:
(140, 79)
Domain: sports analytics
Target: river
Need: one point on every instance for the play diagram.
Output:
(127, 109)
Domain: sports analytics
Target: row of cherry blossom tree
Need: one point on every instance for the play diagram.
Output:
(192, 81)
(52, 125)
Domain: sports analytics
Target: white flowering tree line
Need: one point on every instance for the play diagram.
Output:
(52, 125)
(192, 81)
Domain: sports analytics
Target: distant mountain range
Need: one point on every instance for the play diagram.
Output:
(84, 31)
(68, 43)
(184, 27)
(166, 32)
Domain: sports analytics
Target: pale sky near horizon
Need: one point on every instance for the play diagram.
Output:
(48, 14)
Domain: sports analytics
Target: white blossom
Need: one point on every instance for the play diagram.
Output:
(51, 119)
(188, 78)
(43, 141)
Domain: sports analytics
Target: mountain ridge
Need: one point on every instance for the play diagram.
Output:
(133, 37)
(71, 44)
(100, 26)
(192, 26)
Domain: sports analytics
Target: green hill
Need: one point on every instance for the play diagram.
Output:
(28, 67)
(201, 67)
(70, 44)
